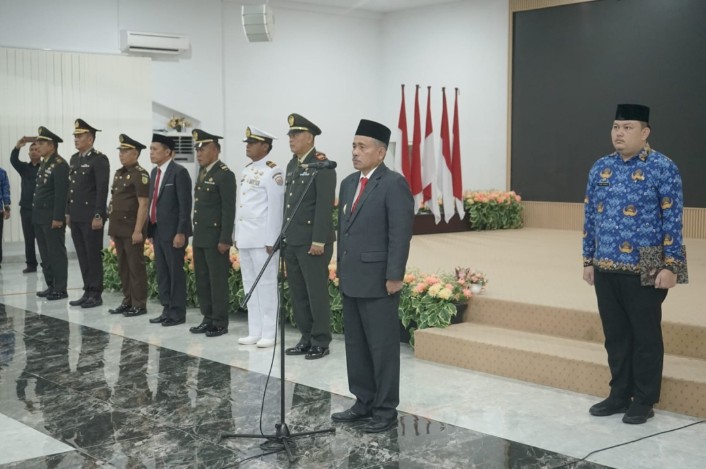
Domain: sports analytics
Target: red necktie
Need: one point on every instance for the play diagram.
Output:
(363, 182)
(155, 194)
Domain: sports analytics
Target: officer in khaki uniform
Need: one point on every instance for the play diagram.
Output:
(128, 227)
(309, 239)
(214, 215)
(86, 211)
(48, 214)
(258, 223)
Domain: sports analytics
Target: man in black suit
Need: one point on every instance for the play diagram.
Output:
(375, 214)
(169, 228)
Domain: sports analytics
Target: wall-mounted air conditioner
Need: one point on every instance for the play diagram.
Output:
(153, 43)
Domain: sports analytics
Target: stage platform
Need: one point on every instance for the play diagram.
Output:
(538, 319)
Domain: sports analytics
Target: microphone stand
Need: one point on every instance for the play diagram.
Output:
(281, 440)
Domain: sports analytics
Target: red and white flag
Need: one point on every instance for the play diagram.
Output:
(416, 168)
(456, 164)
(401, 164)
(431, 195)
(444, 163)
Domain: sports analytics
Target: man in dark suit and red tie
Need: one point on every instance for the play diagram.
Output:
(375, 217)
(169, 228)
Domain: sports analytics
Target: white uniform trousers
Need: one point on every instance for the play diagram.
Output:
(262, 306)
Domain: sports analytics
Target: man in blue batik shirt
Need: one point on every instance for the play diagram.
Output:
(4, 203)
(633, 200)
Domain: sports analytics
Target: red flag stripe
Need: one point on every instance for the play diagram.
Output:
(403, 150)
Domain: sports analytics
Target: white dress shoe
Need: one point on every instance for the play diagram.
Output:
(249, 340)
(264, 343)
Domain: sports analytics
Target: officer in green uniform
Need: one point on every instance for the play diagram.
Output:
(214, 216)
(128, 227)
(89, 178)
(48, 214)
(309, 239)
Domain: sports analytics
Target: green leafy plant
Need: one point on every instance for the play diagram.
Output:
(493, 210)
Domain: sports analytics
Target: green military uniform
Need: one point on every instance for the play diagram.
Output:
(214, 216)
(129, 184)
(88, 192)
(312, 224)
(50, 205)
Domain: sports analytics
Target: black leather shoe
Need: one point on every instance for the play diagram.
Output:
(638, 413)
(158, 319)
(132, 312)
(349, 415)
(611, 405)
(215, 331)
(78, 302)
(171, 322)
(200, 329)
(378, 425)
(57, 295)
(120, 309)
(29, 270)
(316, 352)
(92, 302)
(44, 293)
(299, 349)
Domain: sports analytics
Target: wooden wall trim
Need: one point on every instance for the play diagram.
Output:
(522, 5)
(569, 216)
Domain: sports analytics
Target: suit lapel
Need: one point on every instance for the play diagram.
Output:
(347, 198)
(165, 178)
(369, 189)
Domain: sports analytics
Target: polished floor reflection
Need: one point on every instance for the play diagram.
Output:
(118, 402)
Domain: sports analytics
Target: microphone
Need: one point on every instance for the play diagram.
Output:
(328, 164)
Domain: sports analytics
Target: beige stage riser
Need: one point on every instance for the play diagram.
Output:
(569, 216)
(679, 339)
(678, 395)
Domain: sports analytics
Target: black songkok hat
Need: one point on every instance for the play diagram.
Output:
(202, 137)
(632, 112)
(81, 127)
(45, 134)
(301, 123)
(375, 130)
(127, 143)
(163, 139)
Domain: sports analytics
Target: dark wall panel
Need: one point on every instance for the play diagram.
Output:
(573, 64)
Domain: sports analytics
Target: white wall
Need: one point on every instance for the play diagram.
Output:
(464, 45)
(332, 67)
(324, 67)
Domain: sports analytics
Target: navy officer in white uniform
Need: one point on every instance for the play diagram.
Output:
(258, 221)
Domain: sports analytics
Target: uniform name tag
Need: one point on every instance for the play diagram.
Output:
(604, 184)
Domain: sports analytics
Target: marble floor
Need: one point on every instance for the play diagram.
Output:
(83, 388)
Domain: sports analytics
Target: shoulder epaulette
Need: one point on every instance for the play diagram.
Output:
(320, 156)
(59, 160)
(224, 167)
(271, 164)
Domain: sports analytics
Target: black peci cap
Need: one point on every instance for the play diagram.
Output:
(632, 112)
(375, 130)
(164, 140)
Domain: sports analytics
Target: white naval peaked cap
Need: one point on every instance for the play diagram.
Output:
(253, 134)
